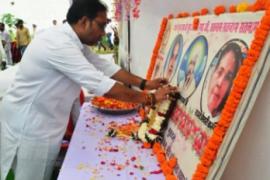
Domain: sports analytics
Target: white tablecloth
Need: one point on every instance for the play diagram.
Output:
(94, 156)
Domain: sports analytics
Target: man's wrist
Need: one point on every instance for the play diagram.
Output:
(143, 84)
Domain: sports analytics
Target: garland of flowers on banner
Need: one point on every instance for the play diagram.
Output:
(156, 48)
(131, 7)
(240, 82)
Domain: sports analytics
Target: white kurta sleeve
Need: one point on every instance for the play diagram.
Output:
(107, 67)
(71, 61)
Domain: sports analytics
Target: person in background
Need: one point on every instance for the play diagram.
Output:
(58, 62)
(115, 44)
(6, 43)
(23, 37)
(54, 22)
(3, 57)
(34, 29)
(109, 36)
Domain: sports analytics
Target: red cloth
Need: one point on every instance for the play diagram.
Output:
(15, 53)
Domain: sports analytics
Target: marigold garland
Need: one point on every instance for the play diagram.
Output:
(156, 48)
(166, 166)
(239, 85)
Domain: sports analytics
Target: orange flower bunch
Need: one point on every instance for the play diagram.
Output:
(195, 24)
(156, 48)
(219, 10)
(109, 103)
(239, 86)
(167, 166)
(124, 130)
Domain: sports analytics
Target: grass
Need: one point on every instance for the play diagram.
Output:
(102, 51)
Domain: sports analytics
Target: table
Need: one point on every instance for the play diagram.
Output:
(94, 156)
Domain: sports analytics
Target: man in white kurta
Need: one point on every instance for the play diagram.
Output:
(35, 110)
(48, 80)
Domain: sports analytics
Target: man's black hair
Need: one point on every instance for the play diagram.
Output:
(80, 8)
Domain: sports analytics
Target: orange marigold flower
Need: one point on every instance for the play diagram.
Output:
(166, 169)
(147, 145)
(182, 14)
(170, 16)
(161, 157)
(219, 10)
(202, 168)
(196, 13)
(156, 147)
(204, 11)
(242, 7)
(172, 162)
(232, 9)
(196, 23)
(171, 177)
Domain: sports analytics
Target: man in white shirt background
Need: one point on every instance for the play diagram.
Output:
(3, 56)
(56, 64)
(7, 43)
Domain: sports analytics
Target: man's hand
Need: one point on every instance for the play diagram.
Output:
(164, 92)
(155, 83)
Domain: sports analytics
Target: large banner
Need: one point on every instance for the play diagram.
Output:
(203, 63)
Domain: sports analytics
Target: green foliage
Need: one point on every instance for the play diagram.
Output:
(9, 20)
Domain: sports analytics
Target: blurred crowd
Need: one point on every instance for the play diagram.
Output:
(12, 46)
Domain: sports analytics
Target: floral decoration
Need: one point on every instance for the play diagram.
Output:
(156, 121)
(110, 103)
(130, 7)
(240, 83)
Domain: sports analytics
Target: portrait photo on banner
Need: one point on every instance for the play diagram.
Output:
(192, 66)
(173, 58)
(219, 78)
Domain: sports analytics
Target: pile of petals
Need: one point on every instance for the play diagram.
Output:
(109, 103)
(127, 130)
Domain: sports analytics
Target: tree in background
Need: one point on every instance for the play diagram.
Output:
(10, 20)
